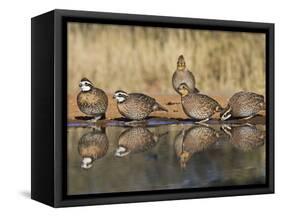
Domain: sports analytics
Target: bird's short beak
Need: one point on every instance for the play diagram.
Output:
(80, 85)
(113, 97)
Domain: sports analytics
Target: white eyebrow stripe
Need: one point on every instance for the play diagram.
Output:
(86, 82)
(121, 93)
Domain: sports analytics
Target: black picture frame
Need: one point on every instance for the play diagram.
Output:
(48, 69)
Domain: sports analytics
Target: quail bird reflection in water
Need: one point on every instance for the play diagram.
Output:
(193, 140)
(244, 137)
(136, 139)
(92, 146)
(150, 159)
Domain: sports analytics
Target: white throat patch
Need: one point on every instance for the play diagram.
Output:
(87, 163)
(121, 152)
(120, 98)
(85, 86)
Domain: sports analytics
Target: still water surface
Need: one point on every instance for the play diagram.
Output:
(122, 159)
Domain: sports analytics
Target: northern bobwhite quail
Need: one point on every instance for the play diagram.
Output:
(243, 105)
(183, 75)
(91, 100)
(136, 106)
(136, 139)
(198, 106)
(245, 137)
(193, 140)
(92, 146)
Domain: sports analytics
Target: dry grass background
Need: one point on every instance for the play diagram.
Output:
(143, 59)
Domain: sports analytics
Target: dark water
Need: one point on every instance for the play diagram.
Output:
(121, 159)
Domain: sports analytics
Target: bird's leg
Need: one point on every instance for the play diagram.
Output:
(249, 117)
(203, 124)
(97, 117)
(202, 121)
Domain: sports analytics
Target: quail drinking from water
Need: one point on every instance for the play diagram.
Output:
(243, 105)
(136, 106)
(183, 75)
(198, 106)
(92, 146)
(91, 100)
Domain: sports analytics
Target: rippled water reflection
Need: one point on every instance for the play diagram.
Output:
(119, 159)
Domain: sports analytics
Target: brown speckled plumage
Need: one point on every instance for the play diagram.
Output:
(183, 75)
(93, 145)
(244, 104)
(245, 137)
(137, 139)
(193, 140)
(199, 106)
(93, 102)
(138, 106)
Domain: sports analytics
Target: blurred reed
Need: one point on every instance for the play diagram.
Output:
(144, 58)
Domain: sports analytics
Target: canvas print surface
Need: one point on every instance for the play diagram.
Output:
(153, 108)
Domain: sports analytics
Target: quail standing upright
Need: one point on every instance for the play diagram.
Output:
(92, 101)
(243, 105)
(136, 106)
(198, 106)
(183, 75)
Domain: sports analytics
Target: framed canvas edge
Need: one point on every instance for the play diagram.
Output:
(154, 197)
(59, 198)
(42, 108)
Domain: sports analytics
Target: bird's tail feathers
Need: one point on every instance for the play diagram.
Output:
(159, 107)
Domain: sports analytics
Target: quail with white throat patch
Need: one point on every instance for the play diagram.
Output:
(91, 100)
(183, 75)
(136, 106)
